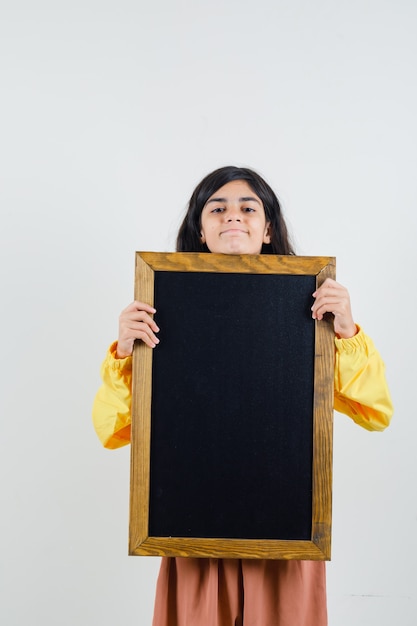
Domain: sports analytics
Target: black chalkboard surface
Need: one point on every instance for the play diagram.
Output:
(232, 412)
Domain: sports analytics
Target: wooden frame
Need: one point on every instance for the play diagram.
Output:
(317, 545)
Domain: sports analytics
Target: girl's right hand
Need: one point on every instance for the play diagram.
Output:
(135, 322)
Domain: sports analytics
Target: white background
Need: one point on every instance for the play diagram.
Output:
(111, 113)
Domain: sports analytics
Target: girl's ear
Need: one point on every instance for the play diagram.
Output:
(267, 234)
(202, 238)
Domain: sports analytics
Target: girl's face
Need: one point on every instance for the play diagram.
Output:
(233, 220)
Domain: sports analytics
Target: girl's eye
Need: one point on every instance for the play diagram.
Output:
(218, 210)
(249, 209)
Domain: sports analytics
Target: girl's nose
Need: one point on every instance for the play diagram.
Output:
(233, 215)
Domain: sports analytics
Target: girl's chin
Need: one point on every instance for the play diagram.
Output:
(235, 250)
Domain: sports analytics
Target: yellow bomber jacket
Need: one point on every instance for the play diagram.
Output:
(360, 390)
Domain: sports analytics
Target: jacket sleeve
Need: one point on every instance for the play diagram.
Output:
(360, 390)
(360, 387)
(112, 404)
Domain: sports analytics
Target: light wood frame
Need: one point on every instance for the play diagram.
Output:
(319, 546)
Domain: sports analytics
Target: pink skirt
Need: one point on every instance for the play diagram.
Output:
(233, 592)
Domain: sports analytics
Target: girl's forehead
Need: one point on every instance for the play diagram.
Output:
(234, 189)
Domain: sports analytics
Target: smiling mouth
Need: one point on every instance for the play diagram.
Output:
(234, 231)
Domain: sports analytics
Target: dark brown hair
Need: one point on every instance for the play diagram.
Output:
(189, 237)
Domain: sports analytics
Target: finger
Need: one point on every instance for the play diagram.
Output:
(125, 345)
(149, 340)
(333, 300)
(138, 316)
(329, 283)
(140, 306)
(333, 292)
(144, 306)
(139, 311)
(335, 308)
(139, 330)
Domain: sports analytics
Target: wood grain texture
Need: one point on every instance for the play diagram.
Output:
(141, 417)
(230, 548)
(245, 263)
(140, 543)
(323, 425)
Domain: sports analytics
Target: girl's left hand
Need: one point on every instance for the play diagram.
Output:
(331, 297)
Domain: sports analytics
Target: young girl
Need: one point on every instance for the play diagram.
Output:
(234, 211)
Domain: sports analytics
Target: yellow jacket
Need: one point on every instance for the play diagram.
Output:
(360, 390)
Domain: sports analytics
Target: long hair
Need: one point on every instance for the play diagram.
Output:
(189, 235)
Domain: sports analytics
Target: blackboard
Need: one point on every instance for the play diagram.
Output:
(232, 412)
